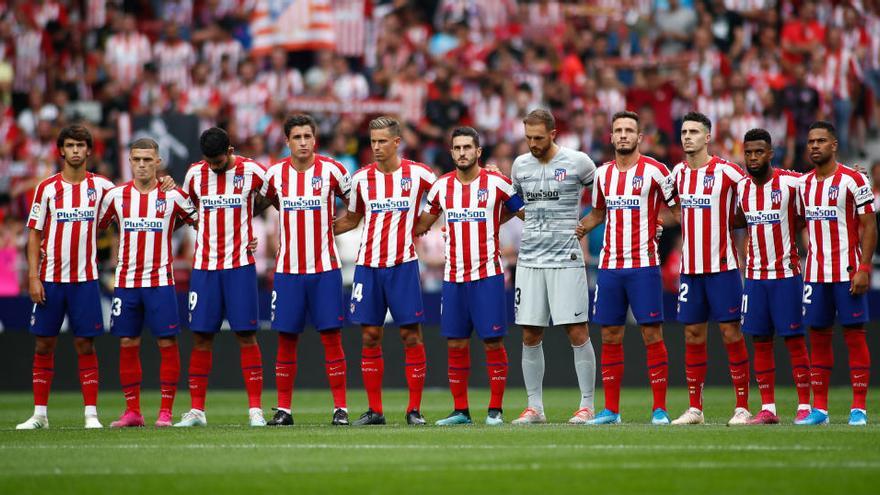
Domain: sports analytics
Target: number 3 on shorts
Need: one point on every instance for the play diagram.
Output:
(357, 292)
(683, 293)
(116, 308)
(193, 300)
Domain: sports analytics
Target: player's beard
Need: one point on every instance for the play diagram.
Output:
(540, 153)
(221, 170)
(620, 150)
(820, 158)
(467, 166)
(759, 173)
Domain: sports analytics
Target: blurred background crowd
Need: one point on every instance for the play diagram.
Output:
(151, 66)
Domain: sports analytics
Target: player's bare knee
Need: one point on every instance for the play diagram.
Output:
(133, 342)
(651, 334)
(578, 334)
(246, 338)
(411, 336)
(84, 345)
(166, 341)
(203, 341)
(457, 343)
(612, 334)
(532, 336)
(730, 332)
(695, 334)
(45, 345)
(371, 337)
(493, 344)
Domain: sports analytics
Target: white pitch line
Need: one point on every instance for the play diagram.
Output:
(342, 446)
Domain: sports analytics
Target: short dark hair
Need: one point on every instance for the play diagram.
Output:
(75, 132)
(824, 124)
(540, 116)
(144, 144)
(214, 142)
(299, 120)
(698, 117)
(386, 122)
(467, 131)
(758, 135)
(626, 114)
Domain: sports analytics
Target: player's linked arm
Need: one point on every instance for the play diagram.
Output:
(261, 203)
(35, 286)
(347, 222)
(862, 278)
(739, 219)
(424, 223)
(593, 219)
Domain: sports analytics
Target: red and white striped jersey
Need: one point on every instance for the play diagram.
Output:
(306, 205)
(284, 85)
(175, 62)
(67, 215)
(831, 208)
(351, 19)
(390, 204)
(126, 54)
(225, 204)
(632, 201)
(473, 216)
(213, 52)
(146, 222)
(412, 95)
(249, 104)
(772, 211)
(708, 198)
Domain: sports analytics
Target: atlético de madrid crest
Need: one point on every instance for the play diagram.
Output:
(833, 191)
(406, 184)
(238, 181)
(638, 182)
(482, 195)
(93, 194)
(775, 196)
(559, 174)
(708, 182)
(160, 206)
(317, 182)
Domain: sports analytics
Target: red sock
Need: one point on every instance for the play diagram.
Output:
(285, 368)
(130, 376)
(859, 365)
(169, 375)
(88, 378)
(738, 360)
(459, 373)
(334, 365)
(800, 367)
(658, 372)
(765, 371)
(372, 370)
(43, 371)
(612, 373)
(695, 373)
(252, 371)
(199, 369)
(496, 364)
(416, 365)
(822, 359)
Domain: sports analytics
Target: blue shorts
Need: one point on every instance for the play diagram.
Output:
(230, 293)
(712, 296)
(638, 288)
(823, 301)
(375, 291)
(317, 294)
(771, 307)
(80, 301)
(480, 305)
(155, 305)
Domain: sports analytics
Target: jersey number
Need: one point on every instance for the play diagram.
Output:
(517, 296)
(116, 308)
(274, 298)
(808, 294)
(193, 300)
(683, 293)
(745, 305)
(357, 292)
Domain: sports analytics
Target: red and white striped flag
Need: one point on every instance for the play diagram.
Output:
(292, 24)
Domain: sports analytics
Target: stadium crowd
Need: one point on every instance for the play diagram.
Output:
(779, 65)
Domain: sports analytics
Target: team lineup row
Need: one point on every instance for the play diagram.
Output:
(221, 194)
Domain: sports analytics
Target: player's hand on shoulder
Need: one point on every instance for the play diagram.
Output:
(36, 290)
(252, 246)
(491, 167)
(166, 183)
(580, 231)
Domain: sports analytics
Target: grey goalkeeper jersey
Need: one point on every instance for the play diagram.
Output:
(552, 194)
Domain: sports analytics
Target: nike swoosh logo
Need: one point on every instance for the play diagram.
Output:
(858, 377)
(341, 318)
(172, 326)
(253, 322)
(97, 325)
(605, 372)
(856, 315)
(733, 309)
(496, 327)
(794, 325)
(654, 314)
(578, 314)
(419, 313)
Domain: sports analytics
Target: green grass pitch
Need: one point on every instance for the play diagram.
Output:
(313, 457)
